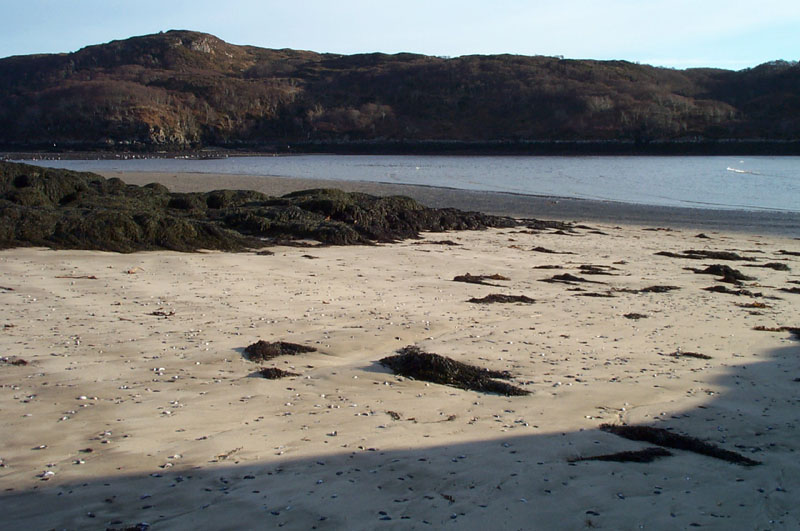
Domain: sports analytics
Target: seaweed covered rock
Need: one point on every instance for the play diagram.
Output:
(66, 209)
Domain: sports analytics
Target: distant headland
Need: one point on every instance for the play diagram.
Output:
(183, 91)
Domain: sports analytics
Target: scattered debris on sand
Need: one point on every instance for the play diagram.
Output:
(703, 236)
(693, 254)
(648, 455)
(794, 290)
(682, 354)
(273, 373)
(502, 299)
(548, 267)
(788, 253)
(265, 351)
(667, 439)
(479, 279)
(728, 274)
(412, 362)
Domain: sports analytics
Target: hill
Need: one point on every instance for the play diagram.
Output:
(187, 90)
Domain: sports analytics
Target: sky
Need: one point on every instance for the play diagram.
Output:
(727, 34)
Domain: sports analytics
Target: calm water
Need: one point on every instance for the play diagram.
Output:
(749, 183)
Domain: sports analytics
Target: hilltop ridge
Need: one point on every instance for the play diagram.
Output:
(188, 90)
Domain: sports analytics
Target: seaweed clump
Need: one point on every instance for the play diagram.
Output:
(63, 209)
(568, 278)
(502, 299)
(737, 292)
(667, 439)
(273, 373)
(412, 362)
(634, 315)
(694, 254)
(264, 351)
(695, 355)
(793, 330)
(479, 279)
(777, 266)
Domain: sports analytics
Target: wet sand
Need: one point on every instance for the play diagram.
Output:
(136, 403)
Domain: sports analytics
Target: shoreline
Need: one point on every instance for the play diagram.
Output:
(554, 147)
(496, 203)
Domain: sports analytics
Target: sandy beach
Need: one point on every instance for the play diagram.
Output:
(126, 397)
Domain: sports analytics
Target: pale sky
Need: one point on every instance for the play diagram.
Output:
(679, 33)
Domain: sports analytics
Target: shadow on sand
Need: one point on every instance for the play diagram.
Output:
(513, 482)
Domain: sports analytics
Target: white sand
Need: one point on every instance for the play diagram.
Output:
(183, 437)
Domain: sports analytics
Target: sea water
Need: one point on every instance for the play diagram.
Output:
(718, 182)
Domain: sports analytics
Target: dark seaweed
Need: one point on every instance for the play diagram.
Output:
(568, 278)
(777, 266)
(635, 316)
(502, 299)
(549, 251)
(676, 441)
(658, 289)
(479, 279)
(728, 291)
(696, 355)
(412, 362)
(728, 274)
(793, 330)
(264, 351)
(694, 254)
(591, 269)
(13, 360)
(273, 373)
(542, 224)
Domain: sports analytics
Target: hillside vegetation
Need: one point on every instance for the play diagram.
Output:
(184, 90)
